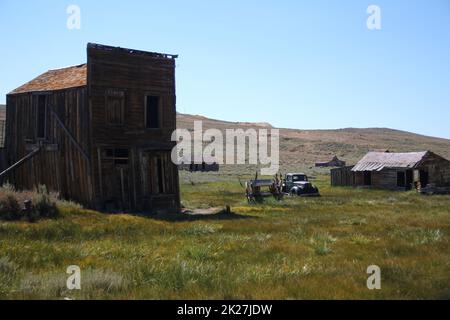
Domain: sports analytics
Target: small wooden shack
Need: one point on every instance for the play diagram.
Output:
(98, 133)
(199, 164)
(335, 162)
(395, 171)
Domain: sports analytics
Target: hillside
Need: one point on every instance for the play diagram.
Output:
(300, 149)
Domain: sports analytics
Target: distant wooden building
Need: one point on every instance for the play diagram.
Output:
(335, 162)
(199, 164)
(100, 132)
(396, 171)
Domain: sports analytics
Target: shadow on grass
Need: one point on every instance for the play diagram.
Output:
(190, 216)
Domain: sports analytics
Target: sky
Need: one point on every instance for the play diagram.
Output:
(294, 64)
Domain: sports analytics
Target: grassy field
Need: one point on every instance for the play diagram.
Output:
(300, 248)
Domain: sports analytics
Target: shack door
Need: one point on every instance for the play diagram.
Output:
(367, 178)
(158, 173)
(423, 178)
(158, 180)
(115, 179)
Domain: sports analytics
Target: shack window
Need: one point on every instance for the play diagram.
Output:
(115, 107)
(41, 116)
(152, 112)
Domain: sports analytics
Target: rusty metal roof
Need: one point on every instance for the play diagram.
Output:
(377, 161)
(57, 79)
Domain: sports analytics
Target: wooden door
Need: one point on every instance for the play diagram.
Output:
(115, 181)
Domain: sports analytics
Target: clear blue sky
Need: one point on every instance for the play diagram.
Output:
(299, 64)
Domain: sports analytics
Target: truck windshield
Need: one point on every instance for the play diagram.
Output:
(299, 177)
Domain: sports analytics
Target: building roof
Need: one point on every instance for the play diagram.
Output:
(57, 79)
(377, 161)
(131, 51)
(76, 76)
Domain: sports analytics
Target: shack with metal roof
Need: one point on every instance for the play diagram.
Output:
(98, 133)
(395, 170)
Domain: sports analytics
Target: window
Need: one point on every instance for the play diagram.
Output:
(299, 177)
(119, 156)
(115, 105)
(152, 112)
(41, 116)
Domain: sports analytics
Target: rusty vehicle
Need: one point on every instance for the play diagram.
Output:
(257, 189)
(299, 184)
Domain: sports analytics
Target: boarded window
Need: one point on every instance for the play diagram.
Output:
(41, 116)
(115, 107)
(152, 112)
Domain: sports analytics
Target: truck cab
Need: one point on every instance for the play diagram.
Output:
(298, 184)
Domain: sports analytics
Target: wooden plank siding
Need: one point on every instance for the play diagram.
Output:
(64, 170)
(97, 148)
(137, 76)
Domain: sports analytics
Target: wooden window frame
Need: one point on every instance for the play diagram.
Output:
(115, 93)
(160, 110)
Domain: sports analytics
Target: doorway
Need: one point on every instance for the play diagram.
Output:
(423, 178)
(367, 178)
(115, 179)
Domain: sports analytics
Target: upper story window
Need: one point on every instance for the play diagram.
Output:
(41, 116)
(115, 107)
(153, 112)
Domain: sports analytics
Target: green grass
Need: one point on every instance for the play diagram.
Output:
(300, 248)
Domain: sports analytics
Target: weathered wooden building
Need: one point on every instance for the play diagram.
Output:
(335, 162)
(99, 132)
(199, 164)
(396, 171)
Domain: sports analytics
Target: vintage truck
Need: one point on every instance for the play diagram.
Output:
(298, 184)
